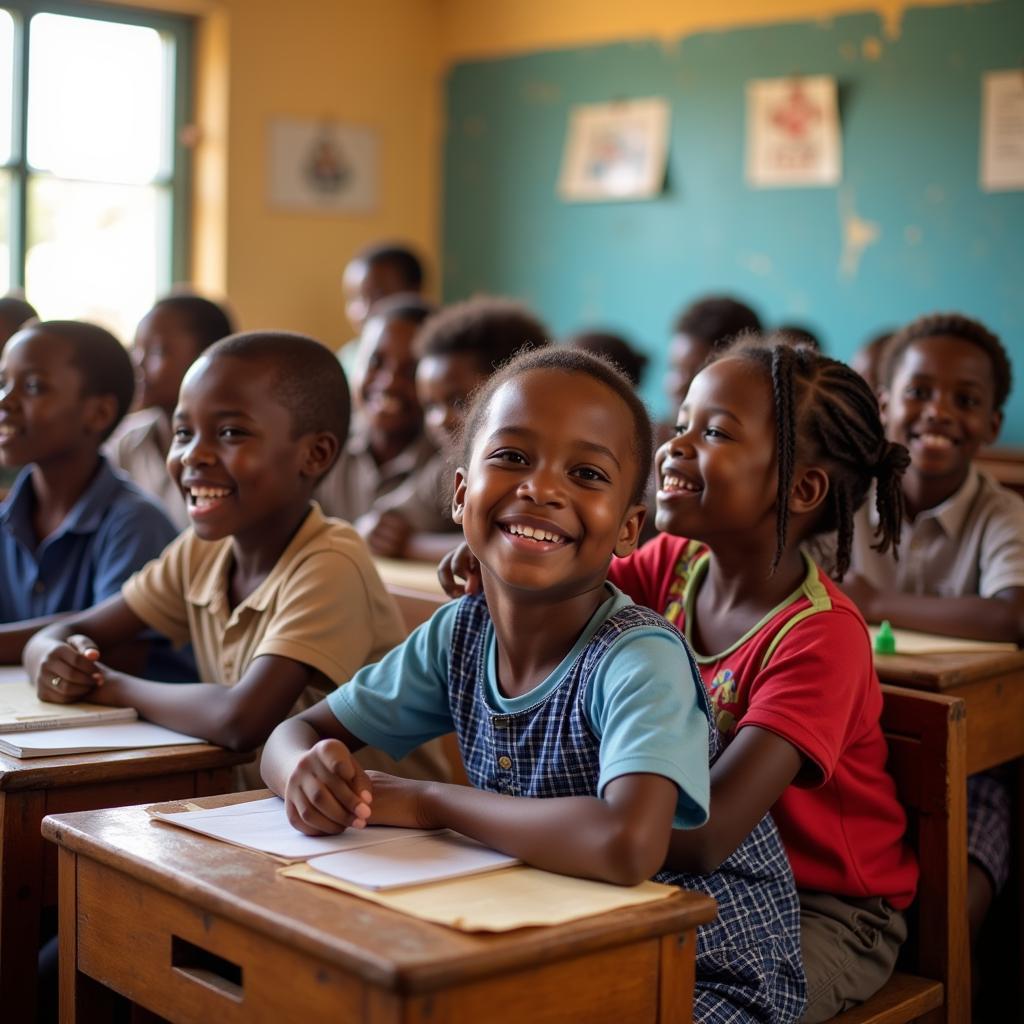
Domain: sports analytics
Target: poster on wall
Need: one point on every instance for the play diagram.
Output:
(793, 136)
(615, 151)
(1002, 131)
(322, 166)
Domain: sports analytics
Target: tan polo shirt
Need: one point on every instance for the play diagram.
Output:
(323, 605)
(139, 447)
(971, 544)
(411, 483)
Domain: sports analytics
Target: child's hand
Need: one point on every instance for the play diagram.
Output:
(459, 563)
(327, 791)
(388, 535)
(64, 671)
(397, 802)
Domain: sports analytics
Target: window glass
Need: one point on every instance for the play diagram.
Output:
(6, 86)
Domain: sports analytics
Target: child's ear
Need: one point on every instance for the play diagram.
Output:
(459, 496)
(995, 426)
(810, 486)
(629, 532)
(100, 411)
(883, 404)
(319, 455)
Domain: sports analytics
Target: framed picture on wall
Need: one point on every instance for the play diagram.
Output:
(322, 166)
(615, 151)
(793, 136)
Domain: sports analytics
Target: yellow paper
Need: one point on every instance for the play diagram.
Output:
(419, 576)
(518, 897)
(910, 642)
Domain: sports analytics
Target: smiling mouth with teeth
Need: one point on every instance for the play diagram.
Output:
(671, 482)
(934, 440)
(206, 497)
(533, 534)
(6, 430)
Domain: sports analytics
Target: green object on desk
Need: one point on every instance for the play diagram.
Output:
(885, 642)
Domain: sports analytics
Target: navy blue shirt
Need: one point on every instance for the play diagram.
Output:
(112, 530)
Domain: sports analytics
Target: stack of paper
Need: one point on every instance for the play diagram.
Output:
(30, 727)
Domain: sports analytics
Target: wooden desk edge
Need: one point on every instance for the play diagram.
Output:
(675, 914)
(111, 765)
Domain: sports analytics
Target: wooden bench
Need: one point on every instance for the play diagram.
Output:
(927, 737)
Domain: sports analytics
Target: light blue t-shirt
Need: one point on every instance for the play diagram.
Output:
(642, 702)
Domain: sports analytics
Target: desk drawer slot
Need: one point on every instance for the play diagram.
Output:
(207, 968)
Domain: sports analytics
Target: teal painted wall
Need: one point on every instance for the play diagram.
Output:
(910, 127)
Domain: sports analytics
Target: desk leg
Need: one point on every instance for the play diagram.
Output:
(82, 999)
(21, 896)
(676, 977)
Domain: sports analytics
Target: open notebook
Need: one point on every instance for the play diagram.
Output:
(376, 857)
(30, 727)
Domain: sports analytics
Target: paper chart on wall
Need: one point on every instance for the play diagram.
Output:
(1002, 131)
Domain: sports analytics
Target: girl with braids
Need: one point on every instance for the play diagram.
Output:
(774, 445)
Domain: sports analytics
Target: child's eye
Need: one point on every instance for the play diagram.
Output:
(714, 432)
(682, 428)
(916, 393)
(590, 474)
(181, 435)
(34, 386)
(968, 401)
(232, 433)
(509, 455)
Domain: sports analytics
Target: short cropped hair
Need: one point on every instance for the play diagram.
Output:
(569, 360)
(408, 306)
(100, 359)
(15, 311)
(716, 320)
(491, 330)
(957, 326)
(308, 379)
(614, 348)
(205, 320)
(401, 257)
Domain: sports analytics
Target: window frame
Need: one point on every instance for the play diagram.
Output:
(182, 29)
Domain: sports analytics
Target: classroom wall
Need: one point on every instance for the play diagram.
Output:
(368, 64)
(908, 230)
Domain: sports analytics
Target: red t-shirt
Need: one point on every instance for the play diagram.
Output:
(805, 673)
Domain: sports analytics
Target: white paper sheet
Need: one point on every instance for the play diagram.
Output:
(1002, 131)
(430, 858)
(83, 739)
(262, 825)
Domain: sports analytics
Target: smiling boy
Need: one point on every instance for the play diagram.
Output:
(960, 567)
(71, 530)
(280, 603)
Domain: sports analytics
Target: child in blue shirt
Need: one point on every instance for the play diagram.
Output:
(582, 739)
(71, 530)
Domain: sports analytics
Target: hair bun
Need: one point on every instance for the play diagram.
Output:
(892, 460)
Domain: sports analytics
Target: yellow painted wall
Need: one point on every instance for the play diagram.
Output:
(471, 29)
(372, 64)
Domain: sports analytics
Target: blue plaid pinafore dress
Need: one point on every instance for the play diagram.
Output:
(748, 958)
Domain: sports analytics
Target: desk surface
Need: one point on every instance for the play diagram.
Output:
(383, 947)
(946, 671)
(112, 766)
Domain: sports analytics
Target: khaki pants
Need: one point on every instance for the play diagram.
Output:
(849, 950)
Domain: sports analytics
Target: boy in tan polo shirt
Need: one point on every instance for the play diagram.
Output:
(280, 603)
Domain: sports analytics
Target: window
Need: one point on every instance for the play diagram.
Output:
(93, 174)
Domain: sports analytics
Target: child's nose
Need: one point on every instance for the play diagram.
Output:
(542, 487)
(196, 453)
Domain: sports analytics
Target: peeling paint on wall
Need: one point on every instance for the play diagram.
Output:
(858, 235)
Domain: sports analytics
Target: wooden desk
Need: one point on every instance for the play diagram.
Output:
(196, 930)
(992, 687)
(32, 788)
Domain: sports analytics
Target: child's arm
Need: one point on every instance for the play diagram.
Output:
(620, 837)
(14, 636)
(998, 618)
(746, 780)
(239, 717)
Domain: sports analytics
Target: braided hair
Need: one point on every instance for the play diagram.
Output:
(826, 413)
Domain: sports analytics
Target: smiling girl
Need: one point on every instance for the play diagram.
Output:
(583, 740)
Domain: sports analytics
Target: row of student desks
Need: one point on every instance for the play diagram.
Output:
(192, 929)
